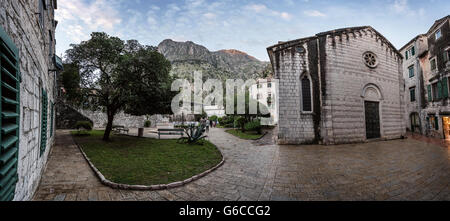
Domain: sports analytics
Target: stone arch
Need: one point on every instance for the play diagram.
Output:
(371, 92)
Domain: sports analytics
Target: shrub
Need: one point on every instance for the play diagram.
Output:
(83, 125)
(254, 126)
(213, 118)
(147, 123)
(227, 121)
(240, 122)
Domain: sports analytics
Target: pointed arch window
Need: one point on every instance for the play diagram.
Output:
(306, 94)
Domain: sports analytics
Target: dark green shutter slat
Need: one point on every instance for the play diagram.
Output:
(8, 141)
(7, 178)
(9, 74)
(8, 155)
(445, 88)
(430, 96)
(9, 87)
(8, 115)
(7, 191)
(4, 170)
(9, 62)
(9, 101)
(8, 128)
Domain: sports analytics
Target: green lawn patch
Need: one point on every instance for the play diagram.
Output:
(144, 161)
(248, 135)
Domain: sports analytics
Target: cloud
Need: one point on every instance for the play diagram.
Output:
(210, 15)
(314, 13)
(402, 7)
(262, 9)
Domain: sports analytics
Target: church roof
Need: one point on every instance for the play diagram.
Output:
(287, 44)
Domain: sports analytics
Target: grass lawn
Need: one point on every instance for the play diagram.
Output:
(245, 135)
(144, 161)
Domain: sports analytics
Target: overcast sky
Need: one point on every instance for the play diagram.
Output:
(247, 25)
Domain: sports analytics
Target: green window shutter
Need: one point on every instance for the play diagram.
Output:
(430, 95)
(52, 111)
(445, 88)
(44, 121)
(413, 51)
(10, 116)
(439, 88)
(436, 123)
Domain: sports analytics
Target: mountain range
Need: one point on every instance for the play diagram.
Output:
(187, 57)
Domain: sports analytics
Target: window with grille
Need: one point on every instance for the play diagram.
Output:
(10, 116)
(306, 95)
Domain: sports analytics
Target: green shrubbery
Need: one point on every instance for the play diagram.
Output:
(83, 128)
(227, 121)
(254, 126)
(213, 118)
(240, 122)
(83, 125)
(147, 123)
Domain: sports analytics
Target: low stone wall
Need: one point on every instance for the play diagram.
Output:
(67, 117)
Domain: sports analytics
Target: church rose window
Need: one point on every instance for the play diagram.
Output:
(370, 59)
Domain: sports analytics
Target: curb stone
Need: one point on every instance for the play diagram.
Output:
(173, 185)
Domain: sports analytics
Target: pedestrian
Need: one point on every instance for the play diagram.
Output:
(207, 125)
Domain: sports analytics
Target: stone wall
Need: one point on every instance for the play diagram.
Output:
(294, 127)
(100, 119)
(20, 21)
(341, 83)
(67, 116)
(347, 77)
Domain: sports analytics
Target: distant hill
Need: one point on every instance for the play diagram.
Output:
(187, 57)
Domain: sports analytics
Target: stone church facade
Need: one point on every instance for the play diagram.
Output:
(28, 89)
(341, 86)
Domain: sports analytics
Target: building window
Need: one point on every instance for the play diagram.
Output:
(411, 71)
(410, 52)
(269, 85)
(412, 94)
(438, 34)
(370, 59)
(446, 56)
(435, 91)
(433, 64)
(42, 8)
(434, 122)
(306, 94)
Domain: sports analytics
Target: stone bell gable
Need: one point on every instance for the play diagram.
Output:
(352, 73)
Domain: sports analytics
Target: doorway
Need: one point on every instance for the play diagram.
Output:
(446, 127)
(372, 110)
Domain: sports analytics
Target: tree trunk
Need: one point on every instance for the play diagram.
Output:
(108, 126)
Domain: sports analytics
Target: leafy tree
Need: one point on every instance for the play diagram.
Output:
(120, 76)
(71, 82)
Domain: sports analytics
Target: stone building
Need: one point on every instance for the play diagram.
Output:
(28, 70)
(265, 92)
(436, 72)
(340, 86)
(413, 68)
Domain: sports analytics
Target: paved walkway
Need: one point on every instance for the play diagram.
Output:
(394, 170)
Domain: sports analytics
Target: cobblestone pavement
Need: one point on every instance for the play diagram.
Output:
(393, 170)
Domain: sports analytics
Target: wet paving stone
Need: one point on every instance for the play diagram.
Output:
(411, 169)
